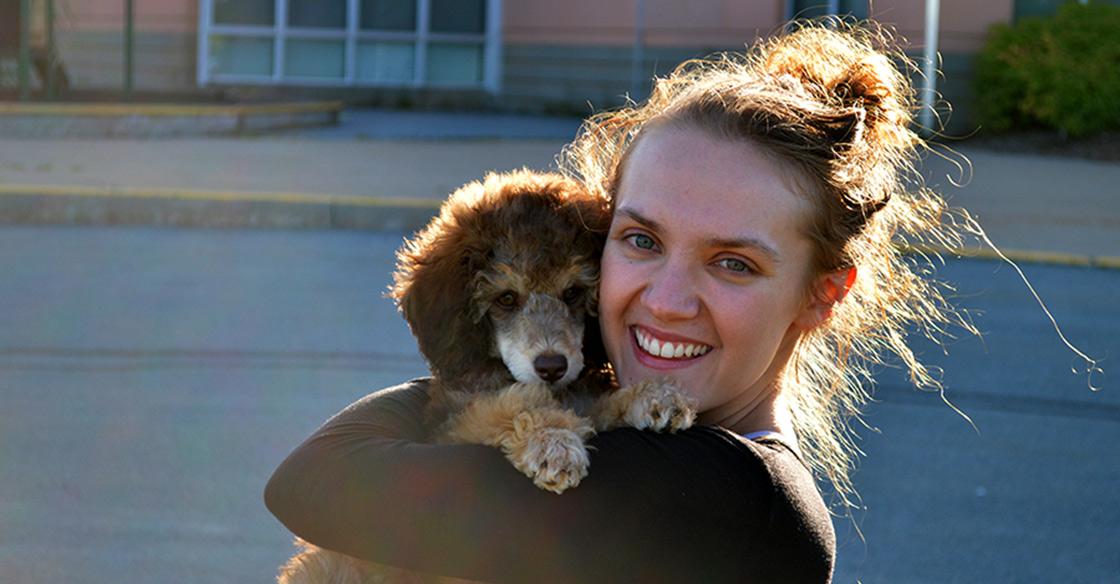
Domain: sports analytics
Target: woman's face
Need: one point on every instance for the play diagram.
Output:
(705, 270)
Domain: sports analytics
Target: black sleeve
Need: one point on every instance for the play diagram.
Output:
(693, 506)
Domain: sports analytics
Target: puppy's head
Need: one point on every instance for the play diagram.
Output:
(508, 272)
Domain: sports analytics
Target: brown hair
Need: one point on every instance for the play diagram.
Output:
(830, 102)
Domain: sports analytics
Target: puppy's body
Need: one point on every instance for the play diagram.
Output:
(500, 291)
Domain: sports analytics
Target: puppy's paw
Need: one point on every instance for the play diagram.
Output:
(656, 404)
(555, 458)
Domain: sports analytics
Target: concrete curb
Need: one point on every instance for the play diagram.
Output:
(77, 205)
(82, 205)
(157, 119)
(165, 109)
(1053, 258)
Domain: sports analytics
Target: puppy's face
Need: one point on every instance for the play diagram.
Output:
(509, 270)
(537, 312)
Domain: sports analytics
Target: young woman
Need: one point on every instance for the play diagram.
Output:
(758, 200)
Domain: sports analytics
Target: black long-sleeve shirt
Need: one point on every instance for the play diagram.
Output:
(701, 505)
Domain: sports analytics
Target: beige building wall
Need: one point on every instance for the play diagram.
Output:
(963, 26)
(667, 23)
(562, 53)
(580, 51)
(91, 41)
(728, 23)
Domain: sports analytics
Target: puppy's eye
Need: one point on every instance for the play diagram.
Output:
(506, 300)
(572, 294)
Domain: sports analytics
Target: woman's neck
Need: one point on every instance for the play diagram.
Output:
(768, 411)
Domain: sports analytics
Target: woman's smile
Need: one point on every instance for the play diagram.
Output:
(659, 350)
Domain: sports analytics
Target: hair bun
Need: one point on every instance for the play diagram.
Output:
(846, 75)
(865, 86)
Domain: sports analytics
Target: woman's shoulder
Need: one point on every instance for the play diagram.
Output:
(411, 391)
(799, 525)
(799, 516)
(396, 411)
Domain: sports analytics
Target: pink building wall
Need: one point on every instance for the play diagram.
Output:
(91, 41)
(595, 22)
(963, 24)
(178, 16)
(729, 23)
(90, 31)
(667, 22)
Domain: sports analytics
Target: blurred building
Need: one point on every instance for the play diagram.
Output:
(545, 55)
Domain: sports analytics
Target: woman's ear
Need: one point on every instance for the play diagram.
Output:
(827, 289)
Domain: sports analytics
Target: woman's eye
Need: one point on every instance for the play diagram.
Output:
(641, 241)
(735, 265)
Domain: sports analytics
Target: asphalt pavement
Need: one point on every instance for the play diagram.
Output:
(153, 378)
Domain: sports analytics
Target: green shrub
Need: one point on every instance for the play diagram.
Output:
(1060, 72)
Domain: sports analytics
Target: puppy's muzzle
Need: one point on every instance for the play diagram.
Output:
(542, 342)
(550, 366)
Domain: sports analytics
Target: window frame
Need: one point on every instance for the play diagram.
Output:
(421, 39)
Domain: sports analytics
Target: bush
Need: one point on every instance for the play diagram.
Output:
(1060, 72)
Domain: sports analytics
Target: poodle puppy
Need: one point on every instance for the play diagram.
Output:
(500, 291)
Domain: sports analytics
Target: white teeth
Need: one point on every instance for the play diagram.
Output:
(666, 349)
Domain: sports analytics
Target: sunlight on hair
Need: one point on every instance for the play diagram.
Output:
(1092, 366)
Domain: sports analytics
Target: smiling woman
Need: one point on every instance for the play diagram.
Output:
(751, 258)
(752, 194)
(706, 250)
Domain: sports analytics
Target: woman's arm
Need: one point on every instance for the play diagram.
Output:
(697, 505)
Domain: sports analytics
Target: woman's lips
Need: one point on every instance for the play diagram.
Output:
(659, 352)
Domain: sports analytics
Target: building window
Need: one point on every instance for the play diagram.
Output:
(397, 43)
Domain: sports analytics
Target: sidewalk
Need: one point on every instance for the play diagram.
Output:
(390, 170)
(1056, 209)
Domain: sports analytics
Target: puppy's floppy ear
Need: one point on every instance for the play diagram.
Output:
(433, 287)
(590, 218)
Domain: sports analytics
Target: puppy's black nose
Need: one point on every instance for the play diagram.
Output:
(550, 366)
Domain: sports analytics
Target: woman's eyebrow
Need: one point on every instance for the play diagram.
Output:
(747, 242)
(724, 242)
(639, 218)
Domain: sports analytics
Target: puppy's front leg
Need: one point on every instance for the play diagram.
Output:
(541, 439)
(657, 404)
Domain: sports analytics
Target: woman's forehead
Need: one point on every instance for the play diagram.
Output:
(686, 178)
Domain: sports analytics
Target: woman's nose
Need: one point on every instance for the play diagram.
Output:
(670, 294)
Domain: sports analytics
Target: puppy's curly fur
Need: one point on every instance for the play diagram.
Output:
(500, 291)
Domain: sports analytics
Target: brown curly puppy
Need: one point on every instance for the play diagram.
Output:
(500, 291)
